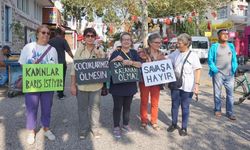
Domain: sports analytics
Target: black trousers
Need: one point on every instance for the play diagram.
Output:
(60, 93)
(121, 103)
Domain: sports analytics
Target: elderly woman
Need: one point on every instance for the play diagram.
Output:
(123, 93)
(149, 55)
(88, 95)
(190, 81)
(30, 55)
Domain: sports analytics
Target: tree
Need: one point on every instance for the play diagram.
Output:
(80, 8)
(119, 12)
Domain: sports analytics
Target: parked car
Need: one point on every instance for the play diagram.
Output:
(164, 49)
(200, 45)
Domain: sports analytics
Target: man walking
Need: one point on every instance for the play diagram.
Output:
(222, 62)
(61, 46)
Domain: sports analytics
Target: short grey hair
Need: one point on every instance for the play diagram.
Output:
(185, 38)
(153, 37)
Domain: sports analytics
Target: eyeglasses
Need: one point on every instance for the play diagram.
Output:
(157, 42)
(43, 32)
(90, 36)
(224, 33)
(126, 39)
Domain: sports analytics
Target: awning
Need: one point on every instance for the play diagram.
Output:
(226, 24)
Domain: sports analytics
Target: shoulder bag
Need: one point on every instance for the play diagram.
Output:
(19, 81)
(178, 83)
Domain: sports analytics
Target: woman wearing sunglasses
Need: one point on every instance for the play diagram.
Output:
(30, 54)
(88, 95)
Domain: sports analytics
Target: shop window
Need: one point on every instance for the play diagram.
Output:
(20, 4)
(23, 5)
(222, 12)
(246, 11)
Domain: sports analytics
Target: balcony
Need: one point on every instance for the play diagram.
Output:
(44, 3)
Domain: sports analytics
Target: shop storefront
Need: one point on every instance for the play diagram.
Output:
(246, 48)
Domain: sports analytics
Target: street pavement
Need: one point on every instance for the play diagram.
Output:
(204, 130)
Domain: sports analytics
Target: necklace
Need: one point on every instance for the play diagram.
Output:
(126, 54)
(91, 51)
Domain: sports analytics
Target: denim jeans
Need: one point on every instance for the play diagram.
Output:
(180, 97)
(228, 82)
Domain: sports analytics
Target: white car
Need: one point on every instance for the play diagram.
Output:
(200, 45)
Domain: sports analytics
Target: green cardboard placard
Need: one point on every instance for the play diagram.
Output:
(42, 77)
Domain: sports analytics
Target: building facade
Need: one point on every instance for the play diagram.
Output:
(232, 15)
(19, 20)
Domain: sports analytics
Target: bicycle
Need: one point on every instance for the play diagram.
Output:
(241, 86)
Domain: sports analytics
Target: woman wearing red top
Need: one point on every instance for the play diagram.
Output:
(150, 54)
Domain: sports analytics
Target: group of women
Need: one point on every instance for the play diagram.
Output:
(89, 96)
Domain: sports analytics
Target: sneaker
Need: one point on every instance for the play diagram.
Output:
(232, 117)
(96, 134)
(31, 138)
(49, 135)
(172, 128)
(183, 132)
(117, 132)
(61, 97)
(127, 129)
(83, 135)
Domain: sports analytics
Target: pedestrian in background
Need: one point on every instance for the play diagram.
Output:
(123, 93)
(30, 54)
(5, 53)
(190, 81)
(150, 54)
(222, 62)
(61, 46)
(88, 95)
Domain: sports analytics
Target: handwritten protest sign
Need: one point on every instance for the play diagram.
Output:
(92, 71)
(121, 73)
(42, 77)
(158, 72)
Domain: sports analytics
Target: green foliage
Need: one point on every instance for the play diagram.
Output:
(203, 27)
(186, 27)
(116, 36)
(18, 29)
(111, 17)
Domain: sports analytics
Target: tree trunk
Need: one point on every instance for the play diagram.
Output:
(144, 22)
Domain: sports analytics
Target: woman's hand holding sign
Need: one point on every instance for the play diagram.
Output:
(118, 58)
(127, 62)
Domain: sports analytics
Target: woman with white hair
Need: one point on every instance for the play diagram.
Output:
(183, 58)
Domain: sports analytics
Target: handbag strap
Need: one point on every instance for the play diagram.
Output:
(184, 63)
(45, 53)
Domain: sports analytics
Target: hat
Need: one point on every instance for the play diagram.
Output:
(221, 30)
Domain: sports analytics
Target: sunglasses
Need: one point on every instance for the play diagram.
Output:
(90, 36)
(48, 33)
